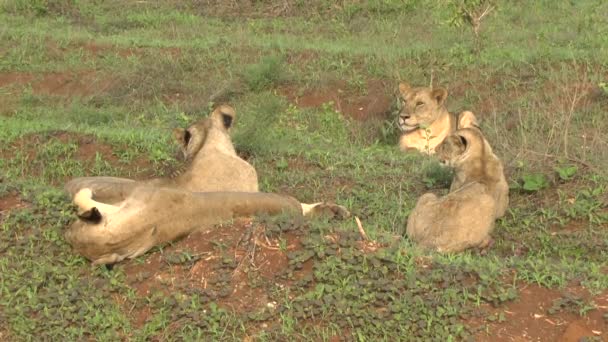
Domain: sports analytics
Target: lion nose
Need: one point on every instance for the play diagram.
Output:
(404, 116)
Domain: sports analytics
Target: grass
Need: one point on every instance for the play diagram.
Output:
(537, 82)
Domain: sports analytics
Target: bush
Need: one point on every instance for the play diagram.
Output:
(265, 74)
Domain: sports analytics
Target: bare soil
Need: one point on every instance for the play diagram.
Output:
(371, 102)
(231, 264)
(10, 202)
(69, 84)
(527, 318)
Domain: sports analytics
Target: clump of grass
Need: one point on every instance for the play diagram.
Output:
(263, 75)
(255, 127)
(436, 175)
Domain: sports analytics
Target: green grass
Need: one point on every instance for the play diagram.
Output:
(537, 83)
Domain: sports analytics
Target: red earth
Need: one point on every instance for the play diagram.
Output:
(372, 102)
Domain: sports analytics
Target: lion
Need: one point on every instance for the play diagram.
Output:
(465, 217)
(211, 165)
(121, 218)
(149, 216)
(424, 120)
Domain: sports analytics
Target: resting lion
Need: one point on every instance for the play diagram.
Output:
(211, 165)
(424, 120)
(122, 218)
(464, 218)
(107, 234)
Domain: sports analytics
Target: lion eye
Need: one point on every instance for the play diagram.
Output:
(419, 103)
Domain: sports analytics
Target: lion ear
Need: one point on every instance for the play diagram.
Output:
(182, 136)
(227, 120)
(404, 89)
(439, 94)
(467, 119)
(462, 142)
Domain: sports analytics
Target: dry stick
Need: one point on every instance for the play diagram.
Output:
(572, 159)
(361, 231)
(575, 99)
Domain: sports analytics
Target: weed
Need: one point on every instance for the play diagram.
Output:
(535, 181)
(566, 172)
(265, 74)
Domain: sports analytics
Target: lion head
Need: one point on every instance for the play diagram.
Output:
(193, 138)
(421, 106)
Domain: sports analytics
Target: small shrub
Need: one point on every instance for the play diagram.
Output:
(254, 130)
(265, 74)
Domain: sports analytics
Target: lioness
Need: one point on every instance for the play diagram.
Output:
(424, 120)
(211, 165)
(464, 218)
(107, 234)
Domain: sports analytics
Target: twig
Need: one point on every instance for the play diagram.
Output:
(572, 159)
(361, 231)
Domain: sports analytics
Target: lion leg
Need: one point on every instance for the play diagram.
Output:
(90, 209)
(485, 245)
(325, 208)
(109, 259)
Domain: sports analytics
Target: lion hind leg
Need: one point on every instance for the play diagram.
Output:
(325, 209)
(308, 208)
(90, 209)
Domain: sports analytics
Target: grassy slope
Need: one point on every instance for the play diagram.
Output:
(534, 83)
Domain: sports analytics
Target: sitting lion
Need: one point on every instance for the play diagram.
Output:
(107, 234)
(424, 120)
(464, 218)
(211, 165)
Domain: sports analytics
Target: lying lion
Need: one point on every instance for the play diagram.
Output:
(212, 164)
(464, 218)
(424, 119)
(121, 218)
(107, 234)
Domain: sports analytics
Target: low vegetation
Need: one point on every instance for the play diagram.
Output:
(94, 88)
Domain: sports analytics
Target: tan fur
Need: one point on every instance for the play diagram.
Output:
(151, 216)
(476, 162)
(464, 218)
(424, 119)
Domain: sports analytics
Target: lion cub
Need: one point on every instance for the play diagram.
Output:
(424, 120)
(464, 218)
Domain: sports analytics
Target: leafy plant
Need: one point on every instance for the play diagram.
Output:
(535, 182)
(471, 13)
(566, 172)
